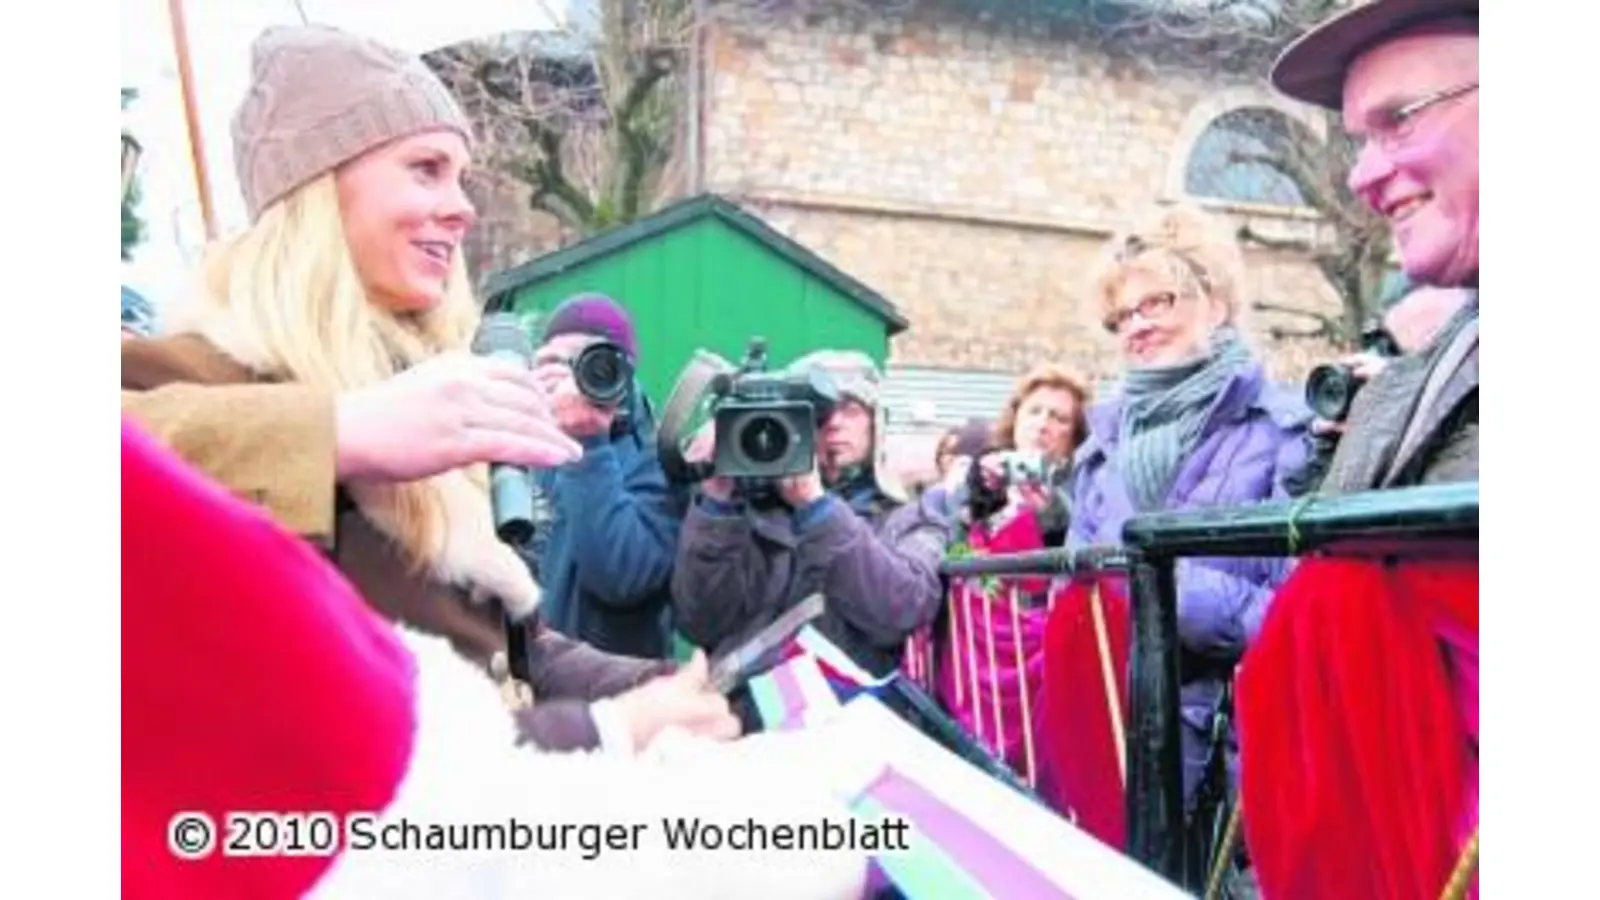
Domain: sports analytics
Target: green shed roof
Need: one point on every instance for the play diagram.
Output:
(501, 286)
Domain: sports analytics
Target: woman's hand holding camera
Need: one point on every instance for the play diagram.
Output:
(448, 412)
(992, 470)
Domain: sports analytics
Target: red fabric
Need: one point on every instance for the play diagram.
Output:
(1359, 753)
(1019, 534)
(1078, 744)
(253, 678)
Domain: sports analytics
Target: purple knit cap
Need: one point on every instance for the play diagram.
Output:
(594, 314)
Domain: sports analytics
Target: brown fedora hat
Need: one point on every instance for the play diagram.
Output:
(1312, 69)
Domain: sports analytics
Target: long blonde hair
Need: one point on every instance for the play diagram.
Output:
(285, 300)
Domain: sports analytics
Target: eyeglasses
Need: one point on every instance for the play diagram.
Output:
(1154, 306)
(1391, 127)
(1151, 308)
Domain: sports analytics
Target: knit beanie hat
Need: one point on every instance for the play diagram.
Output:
(320, 97)
(597, 315)
(853, 372)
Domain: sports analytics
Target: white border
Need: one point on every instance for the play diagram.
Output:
(1541, 606)
(60, 660)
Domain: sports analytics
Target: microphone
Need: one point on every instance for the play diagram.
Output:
(501, 336)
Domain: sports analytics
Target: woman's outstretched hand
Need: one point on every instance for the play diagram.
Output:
(451, 411)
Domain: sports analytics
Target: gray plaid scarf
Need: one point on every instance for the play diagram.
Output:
(1165, 411)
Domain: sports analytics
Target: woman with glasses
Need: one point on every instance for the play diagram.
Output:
(1194, 422)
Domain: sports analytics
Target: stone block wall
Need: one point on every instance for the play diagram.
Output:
(970, 173)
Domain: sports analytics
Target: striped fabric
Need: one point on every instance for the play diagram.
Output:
(793, 694)
(972, 837)
(812, 680)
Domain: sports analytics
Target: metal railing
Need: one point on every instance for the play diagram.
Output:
(1409, 522)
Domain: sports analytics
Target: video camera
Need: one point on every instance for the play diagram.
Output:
(766, 423)
(1331, 388)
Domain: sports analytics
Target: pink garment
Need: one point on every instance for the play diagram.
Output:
(990, 667)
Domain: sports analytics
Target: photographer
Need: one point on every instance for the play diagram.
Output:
(605, 557)
(1414, 317)
(1030, 468)
(842, 530)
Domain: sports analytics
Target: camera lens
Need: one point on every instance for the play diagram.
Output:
(1329, 391)
(602, 372)
(764, 439)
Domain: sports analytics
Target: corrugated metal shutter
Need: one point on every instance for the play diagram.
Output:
(952, 396)
(924, 402)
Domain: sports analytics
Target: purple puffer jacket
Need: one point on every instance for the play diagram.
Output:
(1256, 437)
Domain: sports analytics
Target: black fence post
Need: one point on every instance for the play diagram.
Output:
(1155, 756)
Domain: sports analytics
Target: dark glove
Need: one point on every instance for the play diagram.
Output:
(982, 500)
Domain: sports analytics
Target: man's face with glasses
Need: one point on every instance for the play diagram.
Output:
(1412, 103)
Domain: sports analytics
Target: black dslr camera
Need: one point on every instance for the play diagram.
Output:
(603, 374)
(1332, 387)
(767, 423)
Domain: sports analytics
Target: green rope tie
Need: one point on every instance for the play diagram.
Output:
(1295, 512)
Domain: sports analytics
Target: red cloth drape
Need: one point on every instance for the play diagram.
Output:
(1078, 746)
(1357, 711)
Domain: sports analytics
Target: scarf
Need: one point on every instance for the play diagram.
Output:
(1164, 412)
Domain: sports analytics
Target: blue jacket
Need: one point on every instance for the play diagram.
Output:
(604, 560)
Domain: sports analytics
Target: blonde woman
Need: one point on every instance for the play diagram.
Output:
(1193, 423)
(323, 375)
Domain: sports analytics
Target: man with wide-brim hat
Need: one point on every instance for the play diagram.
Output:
(1358, 704)
(1404, 76)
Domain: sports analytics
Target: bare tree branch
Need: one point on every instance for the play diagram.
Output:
(1249, 235)
(591, 119)
(1326, 326)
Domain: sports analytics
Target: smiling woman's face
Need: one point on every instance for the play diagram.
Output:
(405, 214)
(1159, 320)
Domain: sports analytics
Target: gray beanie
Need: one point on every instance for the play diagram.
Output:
(320, 97)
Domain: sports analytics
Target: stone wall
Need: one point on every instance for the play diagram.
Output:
(969, 173)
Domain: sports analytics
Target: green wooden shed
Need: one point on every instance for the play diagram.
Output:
(703, 273)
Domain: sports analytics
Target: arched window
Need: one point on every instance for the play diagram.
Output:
(1226, 161)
